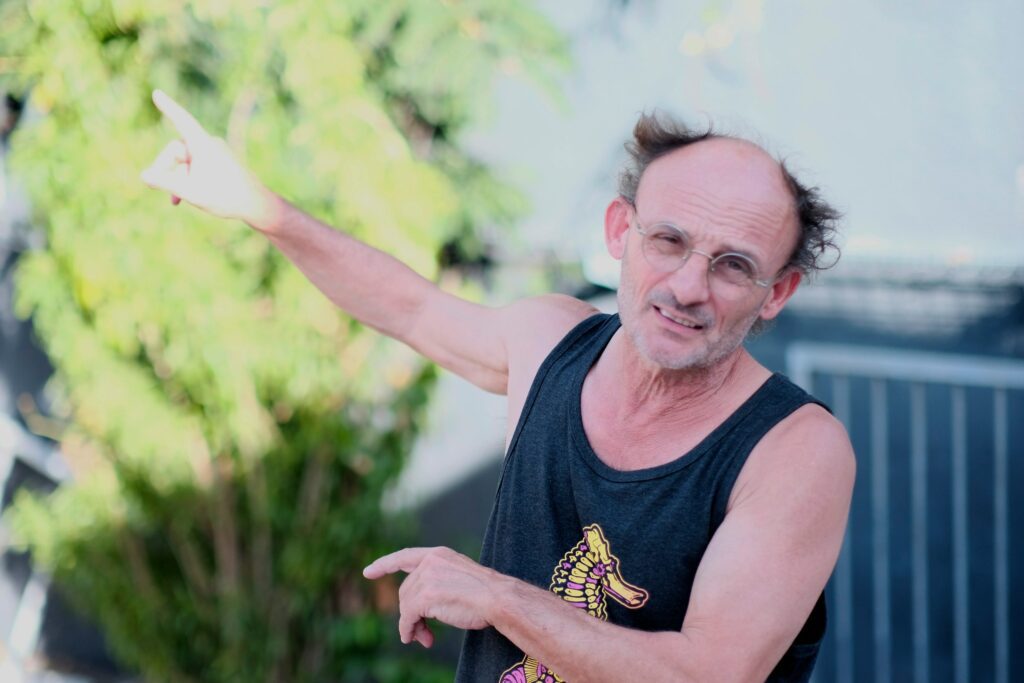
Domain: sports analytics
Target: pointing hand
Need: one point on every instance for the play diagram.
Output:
(442, 585)
(201, 169)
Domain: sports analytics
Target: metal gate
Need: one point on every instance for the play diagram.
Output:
(929, 582)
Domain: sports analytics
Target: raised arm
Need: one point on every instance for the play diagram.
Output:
(378, 290)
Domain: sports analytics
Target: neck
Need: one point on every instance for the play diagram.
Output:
(645, 390)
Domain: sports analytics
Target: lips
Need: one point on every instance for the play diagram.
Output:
(679, 320)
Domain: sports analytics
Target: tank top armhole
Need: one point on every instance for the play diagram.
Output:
(728, 481)
(582, 328)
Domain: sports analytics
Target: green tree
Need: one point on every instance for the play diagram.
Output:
(232, 431)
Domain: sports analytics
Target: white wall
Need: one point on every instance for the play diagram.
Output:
(910, 115)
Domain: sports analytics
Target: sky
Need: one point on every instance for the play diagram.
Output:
(909, 116)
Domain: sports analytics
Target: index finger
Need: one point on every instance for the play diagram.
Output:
(184, 122)
(405, 560)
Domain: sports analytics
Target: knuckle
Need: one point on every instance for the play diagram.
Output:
(439, 554)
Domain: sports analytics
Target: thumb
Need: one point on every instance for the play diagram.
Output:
(170, 168)
(422, 634)
(167, 182)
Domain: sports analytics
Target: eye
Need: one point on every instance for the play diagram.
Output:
(735, 265)
(667, 239)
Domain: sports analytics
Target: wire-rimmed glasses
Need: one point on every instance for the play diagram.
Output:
(667, 248)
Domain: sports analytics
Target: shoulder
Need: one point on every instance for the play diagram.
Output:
(535, 325)
(532, 328)
(808, 454)
(551, 309)
(810, 427)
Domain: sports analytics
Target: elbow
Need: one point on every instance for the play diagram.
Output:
(690, 659)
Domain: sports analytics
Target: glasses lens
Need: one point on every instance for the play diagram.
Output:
(665, 247)
(734, 269)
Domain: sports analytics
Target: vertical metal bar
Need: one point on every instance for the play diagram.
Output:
(28, 619)
(919, 530)
(958, 374)
(844, 566)
(1001, 438)
(961, 598)
(880, 529)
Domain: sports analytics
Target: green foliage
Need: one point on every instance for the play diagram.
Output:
(232, 430)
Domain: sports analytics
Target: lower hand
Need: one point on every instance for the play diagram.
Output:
(443, 585)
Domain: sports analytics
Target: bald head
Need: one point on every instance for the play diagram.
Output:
(729, 168)
(733, 169)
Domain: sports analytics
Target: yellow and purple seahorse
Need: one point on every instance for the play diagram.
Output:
(584, 577)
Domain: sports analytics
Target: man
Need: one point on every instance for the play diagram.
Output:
(669, 509)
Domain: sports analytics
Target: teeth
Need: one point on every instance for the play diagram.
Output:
(684, 323)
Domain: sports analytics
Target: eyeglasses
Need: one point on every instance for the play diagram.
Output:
(667, 248)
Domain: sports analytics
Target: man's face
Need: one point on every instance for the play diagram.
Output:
(728, 196)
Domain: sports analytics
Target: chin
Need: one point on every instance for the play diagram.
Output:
(667, 355)
(667, 358)
(692, 361)
(658, 348)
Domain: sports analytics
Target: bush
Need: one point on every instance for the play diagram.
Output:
(231, 431)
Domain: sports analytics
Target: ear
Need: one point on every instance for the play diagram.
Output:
(616, 226)
(780, 292)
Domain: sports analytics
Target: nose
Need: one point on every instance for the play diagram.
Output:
(690, 282)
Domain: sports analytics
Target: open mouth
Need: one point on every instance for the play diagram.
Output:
(678, 320)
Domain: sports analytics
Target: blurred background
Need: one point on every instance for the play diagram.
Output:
(199, 453)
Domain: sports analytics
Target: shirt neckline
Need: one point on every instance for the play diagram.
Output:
(589, 456)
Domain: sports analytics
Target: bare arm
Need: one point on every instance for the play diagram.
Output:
(380, 291)
(759, 578)
(498, 349)
(757, 582)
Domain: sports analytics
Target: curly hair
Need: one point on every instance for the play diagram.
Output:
(656, 135)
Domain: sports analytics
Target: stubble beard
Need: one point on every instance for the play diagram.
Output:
(700, 360)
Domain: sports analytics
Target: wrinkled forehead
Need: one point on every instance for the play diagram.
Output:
(720, 176)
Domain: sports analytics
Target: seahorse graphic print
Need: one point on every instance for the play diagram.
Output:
(585, 577)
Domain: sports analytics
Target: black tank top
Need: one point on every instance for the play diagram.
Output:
(622, 545)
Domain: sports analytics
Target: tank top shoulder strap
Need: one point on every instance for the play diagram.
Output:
(572, 356)
(773, 402)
